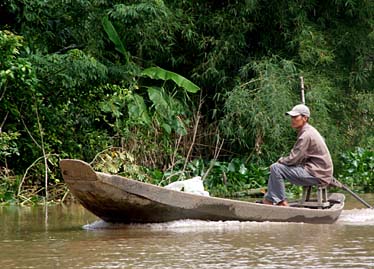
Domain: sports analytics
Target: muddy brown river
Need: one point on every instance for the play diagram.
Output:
(71, 237)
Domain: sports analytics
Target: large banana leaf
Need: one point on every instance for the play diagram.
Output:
(159, 73)
(167, 109)
(114, 37)
(138, 110)
(160, 103)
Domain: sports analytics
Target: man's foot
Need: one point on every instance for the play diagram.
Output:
(283, 203)
(266, 202)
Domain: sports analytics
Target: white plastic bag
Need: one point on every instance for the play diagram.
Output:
(193, 185)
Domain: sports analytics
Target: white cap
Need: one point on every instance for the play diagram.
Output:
(299, 110)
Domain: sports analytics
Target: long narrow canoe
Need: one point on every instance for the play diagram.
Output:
(118, 199)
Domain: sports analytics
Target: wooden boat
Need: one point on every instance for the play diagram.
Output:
(118, 199)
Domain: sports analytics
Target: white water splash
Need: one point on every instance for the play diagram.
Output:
(357, 217)
(186, 225)
(364, 217)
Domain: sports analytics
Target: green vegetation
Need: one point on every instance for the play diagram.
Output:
(358, 169)
(165, 89)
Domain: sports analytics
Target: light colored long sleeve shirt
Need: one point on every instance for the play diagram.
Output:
(311, 152)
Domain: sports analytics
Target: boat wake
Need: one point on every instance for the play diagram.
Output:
(364, 217)
(357, 217)
(181, 225)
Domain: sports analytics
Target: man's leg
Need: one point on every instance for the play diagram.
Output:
(295, 174)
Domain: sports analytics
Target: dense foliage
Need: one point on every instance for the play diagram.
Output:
(172, 83)
(358, 169)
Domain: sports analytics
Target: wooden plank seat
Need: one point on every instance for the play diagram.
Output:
(321, 200)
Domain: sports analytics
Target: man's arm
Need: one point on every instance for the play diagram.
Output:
(298, 152)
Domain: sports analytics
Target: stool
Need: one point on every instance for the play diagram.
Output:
(322, 199)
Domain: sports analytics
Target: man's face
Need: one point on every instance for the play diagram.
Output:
(298, 122)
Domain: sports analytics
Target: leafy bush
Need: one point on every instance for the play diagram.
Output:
(117, 161)
(8, 145)
(254, 110)
(8, 187)
(358, 169)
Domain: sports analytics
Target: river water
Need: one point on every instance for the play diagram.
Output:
(71, 237)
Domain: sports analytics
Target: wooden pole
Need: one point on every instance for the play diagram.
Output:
(358, 198)
(302, 90)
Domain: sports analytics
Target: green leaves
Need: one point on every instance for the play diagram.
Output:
(358, 169)
(168, 111)
(254, 110)
(166, 108)
(159, 73)
(75, 71)
(15, 71)
(8, 144)
(226, 178)
(114, 37)
(138, 111)
(313, 47)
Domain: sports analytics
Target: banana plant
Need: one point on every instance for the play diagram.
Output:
(159, 73)
(151, 72)
(114, 37)
(166, 107)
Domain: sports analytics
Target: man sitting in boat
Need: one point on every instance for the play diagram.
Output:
(309, 162)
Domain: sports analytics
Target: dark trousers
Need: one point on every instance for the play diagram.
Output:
(295, 174)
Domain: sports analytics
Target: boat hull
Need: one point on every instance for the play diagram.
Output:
(118, 199)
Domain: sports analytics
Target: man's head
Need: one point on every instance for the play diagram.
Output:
(299, 116)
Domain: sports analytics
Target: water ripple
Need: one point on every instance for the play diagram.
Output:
(357, 217)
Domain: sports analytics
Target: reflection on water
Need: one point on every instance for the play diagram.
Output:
(71, 237)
